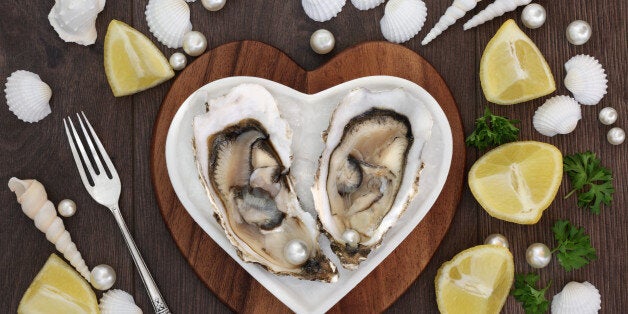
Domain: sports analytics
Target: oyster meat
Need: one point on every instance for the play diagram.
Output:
(369, 168)
(242, 151)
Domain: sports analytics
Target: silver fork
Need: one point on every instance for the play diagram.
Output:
(105, 189)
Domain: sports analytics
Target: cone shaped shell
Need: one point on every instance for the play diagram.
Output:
(28, 96)
(493, 10)
(558, 115)
(577, 298)
(457, 10)
(75, 20)
(403, 19)
(366, 4)
(118, 302)
(168, 21)
(586, 79)
(322, 10)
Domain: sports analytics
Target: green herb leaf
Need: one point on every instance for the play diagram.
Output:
(492, 130)
(574, 246)
(592, 182)
(532, 299)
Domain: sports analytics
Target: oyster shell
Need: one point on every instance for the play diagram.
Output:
(369, 168)
(28, 96)
(558, 115)
(577, 298)
(75, 20)
(403, 19)
(242, 151)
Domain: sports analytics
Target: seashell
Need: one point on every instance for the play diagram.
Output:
(493, 10)
(403, 19)
(585, 79)
(457, 10)
(75, 20)
(168, 21)
(366, 4)
(558, 115)
(118, 302)
(577, 298)
(28, 96)
(322, 10)
(35, 204)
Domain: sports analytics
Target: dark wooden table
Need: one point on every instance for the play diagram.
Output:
(75, 74)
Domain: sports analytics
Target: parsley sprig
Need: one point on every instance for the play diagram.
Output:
(574, 248)
(591, 181)
(532, 299)
(492, 130)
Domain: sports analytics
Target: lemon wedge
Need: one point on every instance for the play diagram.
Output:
(132, 62)
(476, 280)
(512, 69)
(58, 288)
(517, 181)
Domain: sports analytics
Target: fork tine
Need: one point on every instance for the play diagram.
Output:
(90, 144)
(103, 151)
(75, 154)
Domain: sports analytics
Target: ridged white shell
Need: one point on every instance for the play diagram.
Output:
(457, 10)
(366, 4)
(168, 20)
(493, 10)
(558, 115)
(586, 79)
(75, 20)
(403, 19)
(577, 298)
(118, 302)
(28, 96)
(322, 10)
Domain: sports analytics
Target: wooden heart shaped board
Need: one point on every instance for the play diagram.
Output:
(230, 282)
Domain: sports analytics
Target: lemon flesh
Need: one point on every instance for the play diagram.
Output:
(512, 69)
(132, 62)
(58, 288)
(476, 280)
(517, 181)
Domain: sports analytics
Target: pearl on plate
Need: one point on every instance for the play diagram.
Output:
(608, 116)
(178, 61)
(296, 252)
(213, 5)
(66, 208)
(103, 277)
(533, 15)
(497, 239)
(538, 255)
(616, 136)
(322, 41)
(578, 32)
(194, 43)
(351, 237)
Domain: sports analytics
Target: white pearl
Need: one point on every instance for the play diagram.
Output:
(578, 32)
(194, 43)
(213, 5)
(497, 239)
(296, 252)
(66, 208)
(538, 255)
(351, 237)
(533, 15)
(616, 136)
(322, 41)
(103, 277)
(608, 116)
(178, 61)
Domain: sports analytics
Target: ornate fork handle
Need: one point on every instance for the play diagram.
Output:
(158, 301)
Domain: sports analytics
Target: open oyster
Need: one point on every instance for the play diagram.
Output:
(242, 151)
(369, 169)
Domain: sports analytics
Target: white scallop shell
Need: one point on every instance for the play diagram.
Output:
(366, 4)
(493, 10)
(577, 298)
(118, 302)
(168, 21)
(558, 115)
(586, 79)
(403, 19)
(75, 20)
(322, 10)
(457, 10)
(28, 96)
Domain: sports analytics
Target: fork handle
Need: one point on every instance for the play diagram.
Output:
(159, 304)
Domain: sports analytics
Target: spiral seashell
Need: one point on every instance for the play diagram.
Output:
(403, 19)
(558, 115)
(168, 21)
(322, 10)
(493, 10)
(585, 79)
(577, 298)
(28, 96)
(35, 204)
(366, 4)
(118, 302)
(457, 10)
(75, 20)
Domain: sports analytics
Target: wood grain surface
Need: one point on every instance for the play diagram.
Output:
(215, 268)
(125, 125)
